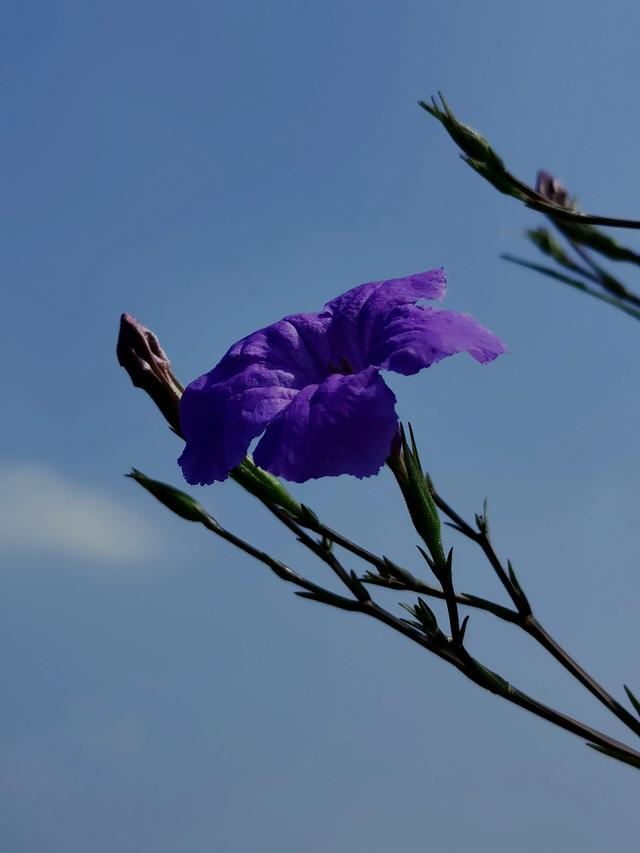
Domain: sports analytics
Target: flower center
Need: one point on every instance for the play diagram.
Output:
(344, 367)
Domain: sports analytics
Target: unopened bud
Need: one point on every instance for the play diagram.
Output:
(552, 190)
(174, 499)
(139, 352)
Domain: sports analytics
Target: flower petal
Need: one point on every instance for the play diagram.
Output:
(219, 419)
(378, 296)
(356, 316)
(344, 425)
(414, 337)
(296, 344)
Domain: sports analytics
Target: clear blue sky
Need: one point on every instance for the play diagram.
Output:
(211, 166)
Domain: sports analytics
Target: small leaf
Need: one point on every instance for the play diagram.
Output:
(265, 486)
(426, 616)
(463, 628)
(308, 517)
(573, 282)
(450, 561)
(516, 585)
(615, 753)
(397, 572)
(427, 558)
(455, 526)
(485, 513)
(634, 701)
(358, 588)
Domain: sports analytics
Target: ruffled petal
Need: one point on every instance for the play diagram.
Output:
(219, 419)
(357, 315)
(223, 410)
(344, 425)
(296, 345)
(414, 337)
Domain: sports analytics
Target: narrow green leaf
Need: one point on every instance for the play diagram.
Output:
(548, 245)
(398, 572)
(463, 628)
(587, 235)
(516, 583)
(634, 701)
(573, 282)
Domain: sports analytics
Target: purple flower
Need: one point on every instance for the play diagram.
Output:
(311, 383)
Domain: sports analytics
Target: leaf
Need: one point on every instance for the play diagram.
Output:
(573, 282)
(618, 754)
(425, 616)
(463, 628)
(634, 701)
(516, 585)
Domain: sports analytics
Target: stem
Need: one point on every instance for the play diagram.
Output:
(476, 673)
(601, 277)
(542, 636)
(447, 650)
(527, 621)
(463, 598)
(482, 539)
(283, 571)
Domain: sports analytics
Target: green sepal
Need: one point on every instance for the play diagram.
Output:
(419, 500)
(177, 501)
(425, 616)
(264, 486)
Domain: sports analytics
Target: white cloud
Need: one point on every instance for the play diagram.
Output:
(41, 510)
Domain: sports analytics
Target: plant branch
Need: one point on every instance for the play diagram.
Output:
(526, 620)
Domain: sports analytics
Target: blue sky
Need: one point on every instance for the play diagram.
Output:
(210, 167)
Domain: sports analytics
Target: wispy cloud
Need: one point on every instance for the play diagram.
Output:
(42, 510)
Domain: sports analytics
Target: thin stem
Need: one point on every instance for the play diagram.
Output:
(283, 571)
(351, 581)
(482, 677)
(482, 539)
(573, 282)
(463, 598)
(601, 277)
(530, 624)
(452, 653)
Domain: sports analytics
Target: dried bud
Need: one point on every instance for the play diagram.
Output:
(552, 190)
(141, 355)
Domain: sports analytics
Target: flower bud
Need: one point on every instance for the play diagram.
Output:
(552, 190)
(177, 501)
(139, 352)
